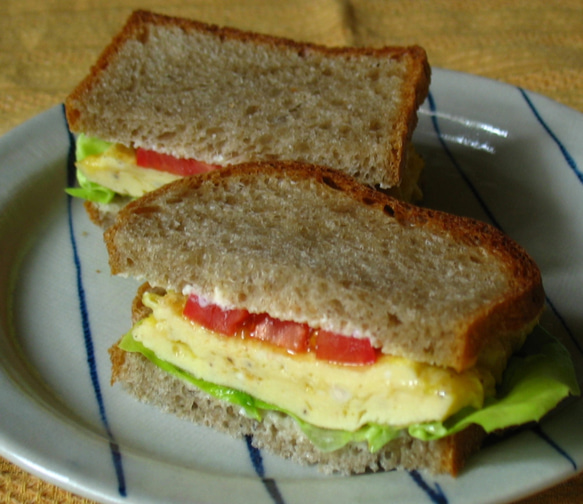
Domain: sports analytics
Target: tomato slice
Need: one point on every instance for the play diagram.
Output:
(164, 162)
(344, 349)
(292, 336)
(213, 317)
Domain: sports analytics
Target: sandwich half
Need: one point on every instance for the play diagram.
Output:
(171, 97)
(334, 324)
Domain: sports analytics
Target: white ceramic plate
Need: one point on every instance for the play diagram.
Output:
(493, 152)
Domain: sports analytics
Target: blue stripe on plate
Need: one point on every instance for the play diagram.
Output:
(434, 493)
(454, 162)
(87, 337)
(257, 461)
(570, 161)
(537, 429)
(568, 158)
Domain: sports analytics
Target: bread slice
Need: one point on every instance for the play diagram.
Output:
(310, 244)
(225, 96)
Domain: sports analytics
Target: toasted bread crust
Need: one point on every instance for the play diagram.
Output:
(514, 310)
(413, 58)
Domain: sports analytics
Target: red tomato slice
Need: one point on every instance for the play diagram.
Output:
(292, 336)
(164, 162)
(344, 349)
(213, 317)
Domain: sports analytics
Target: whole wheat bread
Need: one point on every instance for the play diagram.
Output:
(225, 96)
(310, 244)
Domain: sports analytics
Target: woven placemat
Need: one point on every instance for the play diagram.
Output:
(47, 47)
(19, 487)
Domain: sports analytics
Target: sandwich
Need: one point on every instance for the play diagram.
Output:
(171, 97)
(334, 324)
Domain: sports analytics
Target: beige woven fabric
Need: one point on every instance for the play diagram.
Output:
(47, 47)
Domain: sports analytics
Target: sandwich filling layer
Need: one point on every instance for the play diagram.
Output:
(393, 391)
(536, 380)
(112, 169)
(116, 169)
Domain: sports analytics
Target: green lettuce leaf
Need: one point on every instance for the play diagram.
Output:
(328, 440)
(89, 146)
(246, 401)
(87, 190)
(536, 380)
(90, 191)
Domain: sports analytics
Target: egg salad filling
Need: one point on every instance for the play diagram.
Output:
(105, 169)
(393, 391)
(337, 404)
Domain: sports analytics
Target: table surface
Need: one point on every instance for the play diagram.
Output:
(46, 47)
